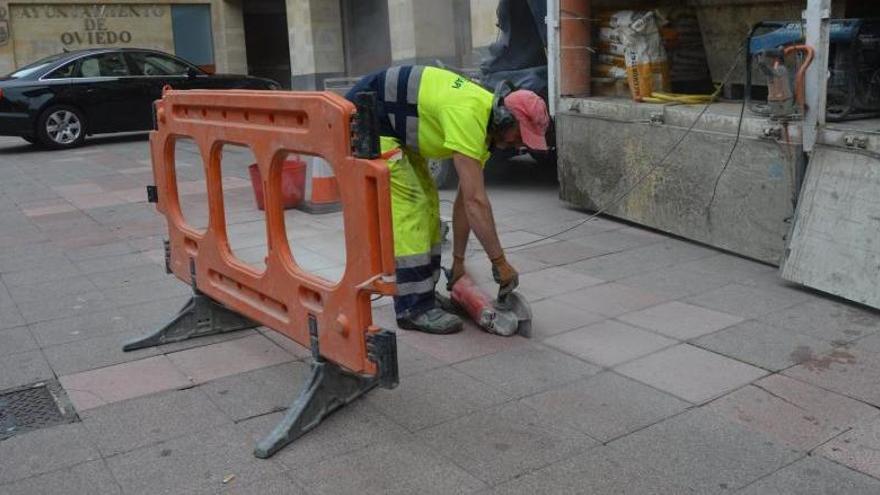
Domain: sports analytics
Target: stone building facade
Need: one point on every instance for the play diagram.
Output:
(300, 43)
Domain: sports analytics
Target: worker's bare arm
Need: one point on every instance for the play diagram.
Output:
(473, 203)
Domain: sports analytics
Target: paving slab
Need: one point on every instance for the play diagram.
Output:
(762, 345)
(135, 423)
(15, 340)
(35, 311)
(609, 343)
(690, 373)
(559, 253)
(675, 282)
(195, 462)
(434, 397)
(551, 317)
(258, 392)
(104, 386)
(526, 370)
(467, 344)
(276, 484)
(731, 267)
(397, 467)
(849, 372)
(411, 361)
(92, 478)
(858, 449)
(553, 281)
(43, 451)
(652, 257)
(749, 302)
(706, 452)
(93, 353)
(602, 470)
(814, 476)
(10, 317)
(606, 406)
(679, 320)
(619, 240)
(611, 299)
(827, 320)
(23, 368)
(206, 363)
(505, 442)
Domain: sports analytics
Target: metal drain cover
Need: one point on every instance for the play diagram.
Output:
(31, 408)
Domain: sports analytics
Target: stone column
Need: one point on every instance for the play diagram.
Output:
(230, 54)
(422, 31)
(315, 37)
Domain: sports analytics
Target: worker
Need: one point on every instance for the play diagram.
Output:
(431, 113)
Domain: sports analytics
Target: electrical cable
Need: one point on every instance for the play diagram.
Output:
(742, 110)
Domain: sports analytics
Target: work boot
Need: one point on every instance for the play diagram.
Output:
(435, 321)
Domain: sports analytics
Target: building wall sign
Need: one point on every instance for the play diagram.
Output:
(39, 30)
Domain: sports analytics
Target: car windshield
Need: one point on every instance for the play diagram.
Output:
(36, 66)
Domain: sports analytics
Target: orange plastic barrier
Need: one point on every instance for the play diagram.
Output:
(283, 297)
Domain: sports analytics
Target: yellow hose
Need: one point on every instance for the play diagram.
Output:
(685, 99)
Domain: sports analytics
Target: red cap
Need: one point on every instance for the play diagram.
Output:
(530, 112)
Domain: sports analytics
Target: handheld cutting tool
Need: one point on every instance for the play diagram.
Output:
(507, 317)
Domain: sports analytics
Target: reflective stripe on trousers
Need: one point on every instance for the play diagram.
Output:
(415, 210)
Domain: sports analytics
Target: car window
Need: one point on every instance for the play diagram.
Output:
(154, 64)
(101, 65)
(63, 72)
(41, 64)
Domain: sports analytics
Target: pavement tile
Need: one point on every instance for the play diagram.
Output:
(800, 415)
(92, 478)
(690, 373)
(49, 209)
(467, 344)
(43, 451)
(616, 266)
(276, 484)
(748, 302)
(553, 281)
(15, 340)
(209, 362)
(23, 368)
(814, 476)
(129, 276)
(47, 291)
(849, 372)
(602, 470)
(195, 462)
(258, 392)
(434, 397)
(93, 353)
(104, 386)
(609, 343)
(618, 240)
(705, 452)
(148, 291)
(606, 406)
(131, 424)
(826, 319)
(351, 428)
(675, 282)
(731, 267)
(411, 361)
(504, 442)
(610, 299)
(551, 317)
(101, 250)
(392, 467)
(294, 348)
(10, 317)
(63, 306)
(560, 253)
(858, 449)
(679, 320)
(526, 370)
(52, 271)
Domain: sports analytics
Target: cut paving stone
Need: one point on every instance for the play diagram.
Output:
(23, 368)
(679, 320)
(610, 299)
(124, 381)
(468, 344)
(550, 317)
(814, 476)
(849, 372)
(434, 397)
(92, 478)
(207, 363)
(15, 340)
(619, 240)
(392, 467)
(705, 452)
(99, 352)
(560, 253)
(827, 320)
(609, 343)
(748, 302)
(690, 373)
(128, 425)
(636, 261)
(45, 450)
(606, 406)
(732, 268)
(526, 370)
(505, 442)
(553, 281)
(858, 449)
(196, 462)
(803, 424)
(599, 470)
(258, 392)
(762, 345)
(675, 282)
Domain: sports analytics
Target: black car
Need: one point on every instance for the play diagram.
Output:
(59, 100)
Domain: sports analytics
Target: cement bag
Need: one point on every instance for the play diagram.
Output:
(647, 67)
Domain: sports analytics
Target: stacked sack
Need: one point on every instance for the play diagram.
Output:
(631, 48)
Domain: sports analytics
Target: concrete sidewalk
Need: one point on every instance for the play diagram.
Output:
(658, 365)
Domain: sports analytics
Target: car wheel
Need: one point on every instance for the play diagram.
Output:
(443, 173)
(61, 126)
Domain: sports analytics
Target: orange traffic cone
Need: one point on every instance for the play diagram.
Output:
(322, 190)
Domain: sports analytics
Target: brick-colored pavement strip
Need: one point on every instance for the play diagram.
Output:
(657, 366)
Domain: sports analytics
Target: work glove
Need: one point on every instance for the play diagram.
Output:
(505, 276)
(456, 273)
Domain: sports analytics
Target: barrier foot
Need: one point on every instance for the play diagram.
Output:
(328, 388)
(199, 317)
